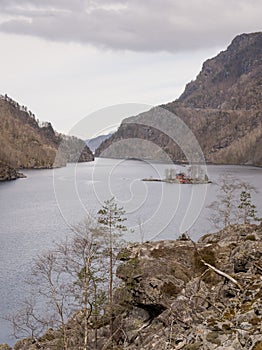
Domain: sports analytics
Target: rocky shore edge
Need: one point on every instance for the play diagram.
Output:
(7, 173)
(180, 295)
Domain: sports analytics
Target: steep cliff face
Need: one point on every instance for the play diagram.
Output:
(232, 80)
(181, 295)
(222, 107)
(26, 144)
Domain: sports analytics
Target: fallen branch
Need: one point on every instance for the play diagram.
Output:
(258, 267)
(221, 273)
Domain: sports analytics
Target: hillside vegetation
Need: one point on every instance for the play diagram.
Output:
(25, 143)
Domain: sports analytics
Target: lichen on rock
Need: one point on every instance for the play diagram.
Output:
(170, 299)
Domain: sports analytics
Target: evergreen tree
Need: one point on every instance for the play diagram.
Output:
(111, 218)
(248, 210)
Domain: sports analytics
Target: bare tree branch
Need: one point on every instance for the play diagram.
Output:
(221, 273)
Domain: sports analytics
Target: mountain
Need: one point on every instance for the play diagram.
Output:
(222, 107)
(95, 142)
(25, 143)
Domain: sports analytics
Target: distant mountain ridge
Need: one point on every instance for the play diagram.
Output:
(222, 107)
(95, 142)
(25, 143)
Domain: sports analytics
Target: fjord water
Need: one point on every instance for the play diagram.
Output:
(40, 210)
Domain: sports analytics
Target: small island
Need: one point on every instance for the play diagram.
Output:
(173, 177)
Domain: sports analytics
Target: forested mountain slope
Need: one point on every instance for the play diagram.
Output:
(25, 143)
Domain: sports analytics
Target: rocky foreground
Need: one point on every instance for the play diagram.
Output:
(182, 295)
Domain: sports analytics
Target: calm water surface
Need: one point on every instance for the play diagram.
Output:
(38, 211)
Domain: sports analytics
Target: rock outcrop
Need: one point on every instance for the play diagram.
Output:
(189, 304)
(222, 107)
(8, 173)
(5, 347)
(182, 295)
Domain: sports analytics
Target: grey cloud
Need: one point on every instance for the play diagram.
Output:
(149, 25)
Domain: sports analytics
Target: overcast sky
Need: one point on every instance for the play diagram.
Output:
(65, 59)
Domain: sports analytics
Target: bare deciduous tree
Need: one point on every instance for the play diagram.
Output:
(51, 288)
(71, 281)
(83, 260)
(233, 204)
(224, 209)
(27, 321)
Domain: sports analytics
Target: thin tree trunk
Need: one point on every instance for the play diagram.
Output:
(111, 285)
(65, 336)
(86, 286)
(96, 314)
(60, 311)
